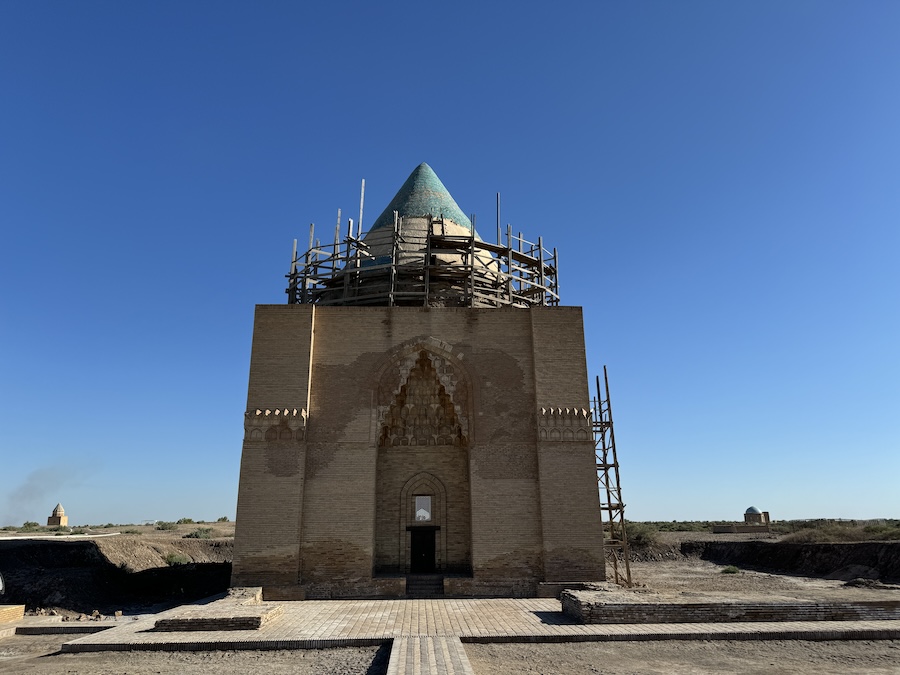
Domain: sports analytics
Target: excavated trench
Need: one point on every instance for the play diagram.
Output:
(105, 575)
(867, 559)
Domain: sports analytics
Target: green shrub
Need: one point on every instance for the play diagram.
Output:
(731, 569)
(223, 519)
(200, 533)
(641, 535)
(683, 525)
(173, 559)
(131, 531)
(824, 530)
(29, 526)
(185, 521)
(830, 533)
(889, 531)
(78, 531)
(163, 525)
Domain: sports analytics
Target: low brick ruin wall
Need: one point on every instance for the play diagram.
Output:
(11, 613)
(585, 608)
(240, 618)
(242, 609)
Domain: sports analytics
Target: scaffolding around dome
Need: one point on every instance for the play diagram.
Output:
(424, 261)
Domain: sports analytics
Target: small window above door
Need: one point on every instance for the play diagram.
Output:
(423, 508)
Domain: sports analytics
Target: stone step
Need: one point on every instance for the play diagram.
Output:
(424, 586)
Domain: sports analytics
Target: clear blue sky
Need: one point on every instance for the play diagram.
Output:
(722, 180)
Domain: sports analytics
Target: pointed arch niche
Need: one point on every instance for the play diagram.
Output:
(422, 469)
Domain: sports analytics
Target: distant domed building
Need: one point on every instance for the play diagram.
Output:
(754, 521)
(58, 518)
(753, 516)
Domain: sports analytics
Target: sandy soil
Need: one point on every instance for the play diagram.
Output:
(35, 655)
(688, 577)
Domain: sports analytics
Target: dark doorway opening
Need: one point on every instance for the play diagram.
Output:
(421, 550)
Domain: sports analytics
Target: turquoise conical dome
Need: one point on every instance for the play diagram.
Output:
(422, 194)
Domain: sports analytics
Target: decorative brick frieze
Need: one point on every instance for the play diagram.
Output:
(278, 424)
(564, 424)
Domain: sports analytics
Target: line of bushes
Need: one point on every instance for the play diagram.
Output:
(645, 535)
(33, 526)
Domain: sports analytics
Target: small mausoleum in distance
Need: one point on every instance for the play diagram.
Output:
(418, 417)
(58, 518)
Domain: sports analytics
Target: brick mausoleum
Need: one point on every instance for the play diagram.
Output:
(418, 418)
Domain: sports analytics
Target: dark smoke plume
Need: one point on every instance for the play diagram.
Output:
(31, 499)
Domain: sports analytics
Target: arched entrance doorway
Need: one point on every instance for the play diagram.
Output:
(423, 512)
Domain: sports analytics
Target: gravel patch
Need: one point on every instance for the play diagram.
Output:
(39, 655)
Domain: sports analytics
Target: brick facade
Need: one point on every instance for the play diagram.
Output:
(352, 412)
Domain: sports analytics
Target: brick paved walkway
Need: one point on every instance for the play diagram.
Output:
(427, 634)
(431, 654)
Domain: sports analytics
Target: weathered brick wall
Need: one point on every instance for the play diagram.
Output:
(267, 529)
(560, 362)
(506, 530)
(533, 513)
(273, 459)
(280, 356)
(338, 514)
(573, 544)
(572, 538)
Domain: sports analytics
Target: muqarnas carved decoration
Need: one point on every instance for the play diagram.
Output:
(422, 412)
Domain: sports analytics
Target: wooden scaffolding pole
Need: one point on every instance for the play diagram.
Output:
(612, 508)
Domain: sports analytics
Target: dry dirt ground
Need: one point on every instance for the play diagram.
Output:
(687, 578)
(683, 657)
(36, 655)
(677, 577)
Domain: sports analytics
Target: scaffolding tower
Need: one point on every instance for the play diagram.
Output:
(612, 508)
